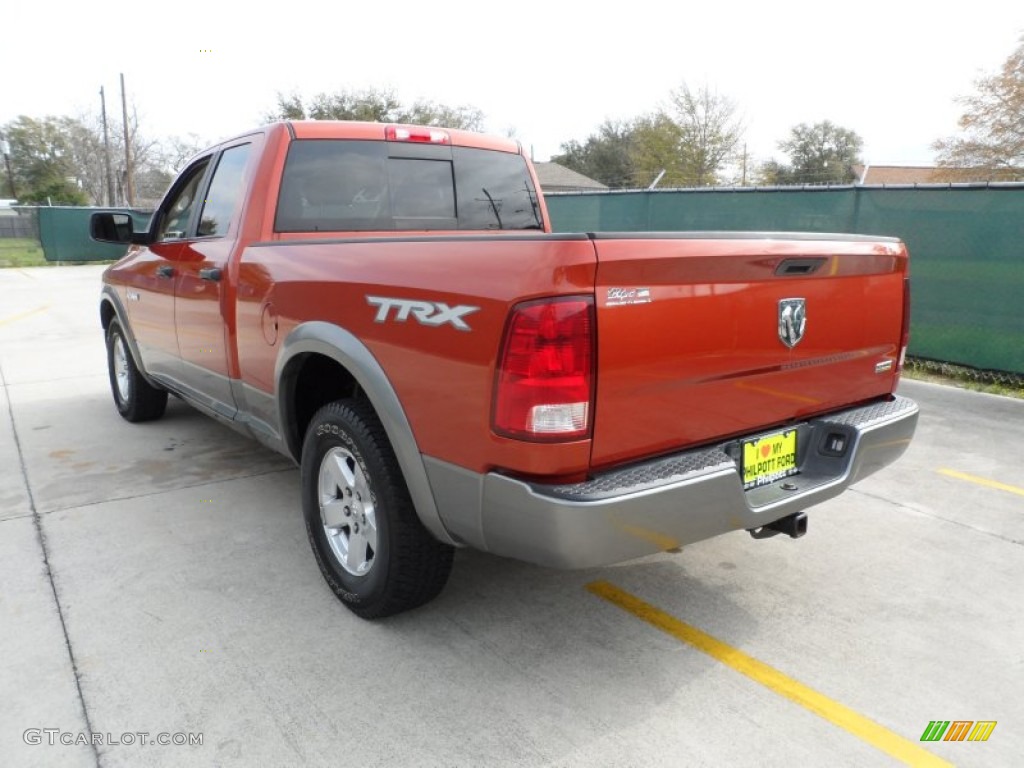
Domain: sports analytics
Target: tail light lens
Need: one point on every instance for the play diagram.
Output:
(905, 334)
(544, 387)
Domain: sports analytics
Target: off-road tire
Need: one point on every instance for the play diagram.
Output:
(406, 566)
(136, 399)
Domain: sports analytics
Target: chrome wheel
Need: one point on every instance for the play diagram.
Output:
(346, 511)
(121, 368)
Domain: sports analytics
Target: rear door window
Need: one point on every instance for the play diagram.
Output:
(225, 192)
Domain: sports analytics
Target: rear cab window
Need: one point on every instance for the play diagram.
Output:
(332, 185)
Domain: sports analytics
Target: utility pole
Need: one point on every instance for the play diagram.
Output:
(743, 183)
(5, 150)
(657, 178)
(129, 183)
(106, 150)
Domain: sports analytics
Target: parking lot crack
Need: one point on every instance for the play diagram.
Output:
(146, 494)
(41, 537)
(928, 513)
(16, 517)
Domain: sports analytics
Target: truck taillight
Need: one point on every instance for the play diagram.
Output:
(422, 135)
(905, 333)
(544, 388)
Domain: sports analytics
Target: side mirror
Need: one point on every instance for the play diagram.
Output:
(111, 227)
(115, 227)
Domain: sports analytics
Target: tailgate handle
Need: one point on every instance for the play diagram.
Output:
(796, 267)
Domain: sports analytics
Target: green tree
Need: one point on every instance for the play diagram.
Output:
(691, 141)
(61, 160)
(43, 160)
(607, 156)
(823, 153)
(377, 106)
(657, 147)
(774, 173)
(992, 142)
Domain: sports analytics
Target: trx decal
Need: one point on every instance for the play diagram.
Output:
(433, 313)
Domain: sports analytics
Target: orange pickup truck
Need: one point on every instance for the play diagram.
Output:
(387, 306)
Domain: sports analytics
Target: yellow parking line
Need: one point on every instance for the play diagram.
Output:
(23, 315)
(863, 728)
(982, 481)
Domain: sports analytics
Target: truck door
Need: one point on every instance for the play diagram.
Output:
(153, 273)
(202, 306)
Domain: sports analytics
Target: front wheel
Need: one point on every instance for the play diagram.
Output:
(371, 547)
(136, 399)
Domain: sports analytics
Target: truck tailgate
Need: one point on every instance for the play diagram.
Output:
(702, 337)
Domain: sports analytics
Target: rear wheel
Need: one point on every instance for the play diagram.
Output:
(136, 399)
(370, 545)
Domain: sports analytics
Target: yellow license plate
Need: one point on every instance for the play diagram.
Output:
(769, 458)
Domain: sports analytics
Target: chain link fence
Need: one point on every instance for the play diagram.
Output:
(34, 235)
(1004, 380)
(19, 237)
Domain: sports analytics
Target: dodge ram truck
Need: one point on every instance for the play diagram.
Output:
(387, 306)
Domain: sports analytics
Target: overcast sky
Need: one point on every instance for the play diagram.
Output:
(547, 71)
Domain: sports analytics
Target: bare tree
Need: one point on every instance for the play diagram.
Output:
(176, 151)
(691, 140)
(710, 132)
(992, 142)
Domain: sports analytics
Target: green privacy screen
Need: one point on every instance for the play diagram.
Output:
(966, 246)
(64, 233)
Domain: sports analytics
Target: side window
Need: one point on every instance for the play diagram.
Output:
(225, 191)
(175, 214)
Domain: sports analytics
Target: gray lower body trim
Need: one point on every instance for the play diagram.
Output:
(666, 502)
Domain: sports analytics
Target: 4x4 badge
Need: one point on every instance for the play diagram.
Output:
(792, 321)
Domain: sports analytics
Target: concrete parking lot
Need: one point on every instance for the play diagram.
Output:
(157, 579)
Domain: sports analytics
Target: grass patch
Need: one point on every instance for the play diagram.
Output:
(965, 377)
(21, 252)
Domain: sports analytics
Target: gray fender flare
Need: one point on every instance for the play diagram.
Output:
(344, 348)
(109, 295)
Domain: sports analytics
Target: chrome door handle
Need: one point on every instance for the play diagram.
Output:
(210, 273)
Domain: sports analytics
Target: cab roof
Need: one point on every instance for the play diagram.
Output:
(344, 129)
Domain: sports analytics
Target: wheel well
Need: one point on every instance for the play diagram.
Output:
(311, 381)
(106, 314)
